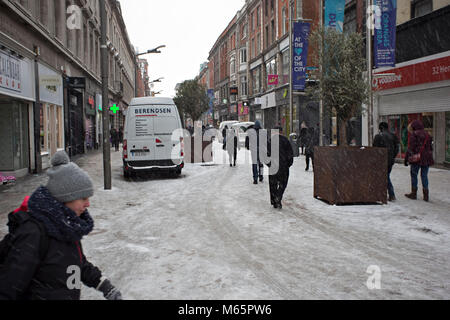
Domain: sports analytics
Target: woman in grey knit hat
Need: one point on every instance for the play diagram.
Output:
(46, 260)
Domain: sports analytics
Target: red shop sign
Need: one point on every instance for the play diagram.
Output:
(422, 72)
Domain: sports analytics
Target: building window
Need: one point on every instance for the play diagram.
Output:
(258, 19)
(256, 80)
(232, 65)
(420, 8)
(243, 55)
(243, 86)
(283, 20)
(253, 48)
(350, 20)
(258, 43)
(271, 67)
(266, 38)
(273, 30)
(286, 64)
(244, 30)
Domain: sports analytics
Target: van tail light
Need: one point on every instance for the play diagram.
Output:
(158, 141)
(182, 147)
(125, 149)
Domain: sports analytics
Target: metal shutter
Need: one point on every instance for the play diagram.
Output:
(428, 100)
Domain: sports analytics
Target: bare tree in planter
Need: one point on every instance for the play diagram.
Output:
(342, 84)
(345, 174)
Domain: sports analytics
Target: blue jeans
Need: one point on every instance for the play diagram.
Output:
(423, 174)
(390, 186)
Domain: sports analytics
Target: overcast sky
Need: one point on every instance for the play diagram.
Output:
(188, 28)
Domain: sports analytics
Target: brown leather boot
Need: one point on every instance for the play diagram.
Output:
(413, 194)
(425, 194)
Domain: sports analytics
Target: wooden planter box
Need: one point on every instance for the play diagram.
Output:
(191, 155)
(346, 175)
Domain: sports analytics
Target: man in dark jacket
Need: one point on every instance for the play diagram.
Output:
(279, 166)
(386, 139)
(420, 142)
(311, 140)
(253, 143)
(58, 212)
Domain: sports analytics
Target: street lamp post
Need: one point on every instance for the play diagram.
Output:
(155, 50)
(105, 100)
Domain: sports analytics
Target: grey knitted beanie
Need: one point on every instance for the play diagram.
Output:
(67, 182)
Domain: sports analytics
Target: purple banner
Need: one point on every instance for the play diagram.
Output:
(299, 54)
(384, 37)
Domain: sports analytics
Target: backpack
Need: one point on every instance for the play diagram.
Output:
(15, 220)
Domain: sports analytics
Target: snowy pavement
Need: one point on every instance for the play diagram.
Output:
(212, 234)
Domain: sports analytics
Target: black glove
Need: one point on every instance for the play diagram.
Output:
(109, 291)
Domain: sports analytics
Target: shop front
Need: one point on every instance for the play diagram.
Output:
(418, 89)
(75, 132)
(17, 94)
(51, 113)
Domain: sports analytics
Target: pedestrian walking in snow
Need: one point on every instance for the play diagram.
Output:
(115, 139)
(420, 156)
(303, 137)
(224, 136)
(311, 140)
(45, 259)
(386, 139)
(253, 143)
(232, 146)
(279, 166)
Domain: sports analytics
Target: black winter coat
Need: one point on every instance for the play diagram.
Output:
(24, 276)
(311, 140)
(285, 156)
(385, 139)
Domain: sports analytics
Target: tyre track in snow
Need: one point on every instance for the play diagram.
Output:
(352, 240)
(240, 246)
(247, 253)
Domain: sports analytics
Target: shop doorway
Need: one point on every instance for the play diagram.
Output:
(14, 136)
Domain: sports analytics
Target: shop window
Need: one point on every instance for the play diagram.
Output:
(51, 128)
(44, 128)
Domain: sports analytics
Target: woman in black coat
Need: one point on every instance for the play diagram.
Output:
(58, 216)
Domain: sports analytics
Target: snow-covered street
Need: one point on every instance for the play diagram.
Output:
(212, 234)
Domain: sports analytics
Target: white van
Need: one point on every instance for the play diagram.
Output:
(153, 136)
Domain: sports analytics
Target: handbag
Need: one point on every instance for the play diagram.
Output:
(415, 158)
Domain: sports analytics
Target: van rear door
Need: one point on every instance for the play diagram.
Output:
(164, 127)
(141, 146)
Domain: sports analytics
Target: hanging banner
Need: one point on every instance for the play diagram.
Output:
(334, 14)
(384, 37)
(299, 54)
